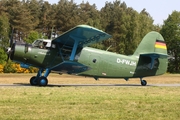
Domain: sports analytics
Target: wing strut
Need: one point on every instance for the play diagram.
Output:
(74, 50)
(75, 46)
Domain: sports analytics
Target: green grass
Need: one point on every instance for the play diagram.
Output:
(82, 103)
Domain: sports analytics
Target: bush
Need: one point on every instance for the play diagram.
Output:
(11, 67)
(8, 68)
(1, 68)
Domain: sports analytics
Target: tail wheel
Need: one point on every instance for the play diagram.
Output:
(33, 80)
(143, 82)
(42, 81)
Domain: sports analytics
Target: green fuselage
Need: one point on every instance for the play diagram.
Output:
(111, 65)
(101, 64)
(68, 53)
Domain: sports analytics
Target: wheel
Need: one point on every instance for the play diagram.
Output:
(143, 82)
(42, 81)
(33, 80)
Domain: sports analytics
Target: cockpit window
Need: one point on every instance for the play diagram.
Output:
(43, 44)
(36, 43)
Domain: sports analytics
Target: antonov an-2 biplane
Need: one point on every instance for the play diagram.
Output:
(69, 54)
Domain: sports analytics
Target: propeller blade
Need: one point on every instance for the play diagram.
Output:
(11, 39)
(8, 50)
(8, 53)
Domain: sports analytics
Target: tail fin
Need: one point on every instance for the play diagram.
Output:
(153, 42)
(154, 48)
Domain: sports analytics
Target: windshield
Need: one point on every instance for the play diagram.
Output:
(36, 43)
(42, 44)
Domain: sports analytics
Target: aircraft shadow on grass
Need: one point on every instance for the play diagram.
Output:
(81, 85)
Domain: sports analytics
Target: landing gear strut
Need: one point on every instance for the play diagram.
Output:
(39, 79)
(143, 82)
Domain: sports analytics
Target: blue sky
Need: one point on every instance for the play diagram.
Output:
(158, 9)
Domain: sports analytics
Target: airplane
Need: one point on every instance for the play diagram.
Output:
(69, 53)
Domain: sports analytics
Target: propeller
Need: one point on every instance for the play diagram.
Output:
(9, 49)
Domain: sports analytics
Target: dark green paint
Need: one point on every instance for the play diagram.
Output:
(146, 60)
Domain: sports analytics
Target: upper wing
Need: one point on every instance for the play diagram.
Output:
(84, 35)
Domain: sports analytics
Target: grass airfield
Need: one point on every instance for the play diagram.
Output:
(89, 102)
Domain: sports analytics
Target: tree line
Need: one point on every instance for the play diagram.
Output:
(32, 19)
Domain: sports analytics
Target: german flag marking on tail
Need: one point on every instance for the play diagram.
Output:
(160, 44)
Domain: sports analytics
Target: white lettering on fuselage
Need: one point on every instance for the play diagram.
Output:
(127, 62)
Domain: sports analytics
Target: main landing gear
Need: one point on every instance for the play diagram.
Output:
(39, 79)
(143, 82)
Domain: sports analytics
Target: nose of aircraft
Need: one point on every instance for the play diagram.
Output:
(10, 51)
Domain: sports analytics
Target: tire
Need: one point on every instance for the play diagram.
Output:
(33, 81)
(42, 81)
(144, 83)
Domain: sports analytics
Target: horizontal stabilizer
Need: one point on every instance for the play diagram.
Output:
(154, 56)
